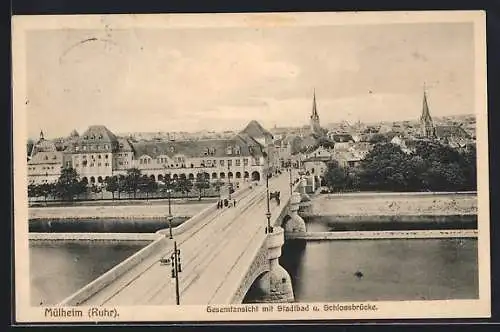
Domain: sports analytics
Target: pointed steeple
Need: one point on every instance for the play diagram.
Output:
(314, 122)
(426, 123)
(41, 135)
(314, 114)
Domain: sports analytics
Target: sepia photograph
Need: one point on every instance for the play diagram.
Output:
(230, 167)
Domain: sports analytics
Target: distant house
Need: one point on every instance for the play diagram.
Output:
(403, 143)
(340, 138)
(451, 132)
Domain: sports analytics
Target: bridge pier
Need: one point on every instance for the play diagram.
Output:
(275, 285)
(295, 223)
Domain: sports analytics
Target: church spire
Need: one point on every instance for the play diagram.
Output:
(314, 114)
(426, 123)
(315, 126)
(41, 135)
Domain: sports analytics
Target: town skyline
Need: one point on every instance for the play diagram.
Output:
(139, 80)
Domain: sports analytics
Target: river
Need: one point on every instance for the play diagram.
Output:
(59, 270)
(377, 270)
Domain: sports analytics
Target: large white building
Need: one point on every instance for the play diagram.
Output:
(98, 154)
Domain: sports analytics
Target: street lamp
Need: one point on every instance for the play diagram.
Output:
(269, 228)
(176, 268)
(229, 180)
(169, 214)
(175, 261)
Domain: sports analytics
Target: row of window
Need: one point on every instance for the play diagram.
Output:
(93, 156)
(92, 147)
(43, 167)
(54, 157)
(92, 163)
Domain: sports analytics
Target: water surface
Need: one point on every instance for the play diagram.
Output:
(59, 270)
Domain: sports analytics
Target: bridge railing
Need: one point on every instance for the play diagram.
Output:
(200, 216)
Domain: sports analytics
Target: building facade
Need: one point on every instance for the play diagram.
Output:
(44, 162)
(98, 154)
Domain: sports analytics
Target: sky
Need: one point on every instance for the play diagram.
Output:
(190, 79)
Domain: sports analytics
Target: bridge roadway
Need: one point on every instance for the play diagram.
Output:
(214, 254)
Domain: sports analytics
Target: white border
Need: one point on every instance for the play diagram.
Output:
(399, 309)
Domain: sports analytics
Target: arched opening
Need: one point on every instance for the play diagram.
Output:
(92, 180)
(152, 177)
(85, 180)
(230, 175)
(167, 177)
(254, 292)
(206, 176)
(246, 175)
(106, 179)
(99, 179)
(222, 175)
(191, 176)
(238, 175)
(160, 177)
(214, 175)
(182, 176)
(255, 176)
(175, 177)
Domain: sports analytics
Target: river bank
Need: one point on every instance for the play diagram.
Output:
(141, 210)
(394, 204)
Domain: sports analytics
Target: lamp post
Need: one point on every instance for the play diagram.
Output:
(269, 228)
(175, 261)
(176, 268)
(229, 180)
(169, 214)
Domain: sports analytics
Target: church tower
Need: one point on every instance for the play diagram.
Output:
(426, 124)
(314, 122)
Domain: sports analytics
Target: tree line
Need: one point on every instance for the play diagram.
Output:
(431, 166)
(69, 185)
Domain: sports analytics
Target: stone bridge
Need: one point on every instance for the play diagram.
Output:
(224, 252)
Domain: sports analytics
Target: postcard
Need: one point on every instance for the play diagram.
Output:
(250, 167)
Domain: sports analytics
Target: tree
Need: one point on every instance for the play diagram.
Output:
(132, 180)
(469, 168)
(218, 184)
(335, 176)
(201, 183)
(385, 168)
(147, 185)
(46, 189)
(378, 138)
(169, 184)
(112, 185)
(67, 186)
(33, 190)
(183, 185)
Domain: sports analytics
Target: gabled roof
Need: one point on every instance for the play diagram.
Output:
(98, 134)
(124, 145)
(46, 157)
(209, 148)
(254, 129)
